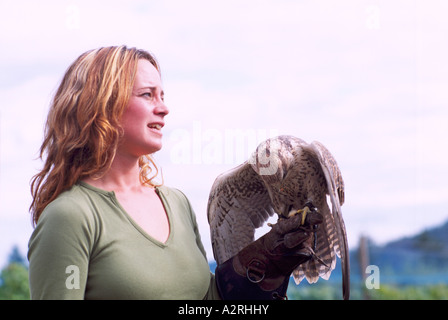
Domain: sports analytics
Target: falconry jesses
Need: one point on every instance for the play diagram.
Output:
(286, 176)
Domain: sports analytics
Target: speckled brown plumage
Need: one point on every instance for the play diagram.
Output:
(282, 175)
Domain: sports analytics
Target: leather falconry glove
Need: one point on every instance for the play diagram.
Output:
(261, 271)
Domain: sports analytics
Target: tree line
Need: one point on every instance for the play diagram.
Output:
(14, 277)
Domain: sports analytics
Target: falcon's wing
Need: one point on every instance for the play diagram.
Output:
(335, 186)
(238, 204)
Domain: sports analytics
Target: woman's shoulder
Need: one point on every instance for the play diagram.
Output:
(65, 221)
(70, 207)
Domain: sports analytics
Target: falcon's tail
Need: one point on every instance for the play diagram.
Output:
(324, 260)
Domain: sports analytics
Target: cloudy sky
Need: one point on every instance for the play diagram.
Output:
(367, 78)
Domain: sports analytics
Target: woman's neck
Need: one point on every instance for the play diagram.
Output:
(123, 175)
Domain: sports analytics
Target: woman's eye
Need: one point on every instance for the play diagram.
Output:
(147, 94)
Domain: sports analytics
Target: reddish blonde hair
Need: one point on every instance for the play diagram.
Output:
(83, 126)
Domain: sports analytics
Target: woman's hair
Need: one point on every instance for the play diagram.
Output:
(83, 126)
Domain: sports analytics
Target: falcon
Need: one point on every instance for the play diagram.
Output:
(284, 176)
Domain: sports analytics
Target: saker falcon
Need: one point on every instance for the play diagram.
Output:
(285, 175)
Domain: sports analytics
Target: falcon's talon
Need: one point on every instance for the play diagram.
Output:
(304, 213)
(316, 257)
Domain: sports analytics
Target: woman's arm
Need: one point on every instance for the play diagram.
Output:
(59, 251)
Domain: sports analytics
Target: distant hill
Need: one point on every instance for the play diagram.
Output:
(433, 240)
(422, 258)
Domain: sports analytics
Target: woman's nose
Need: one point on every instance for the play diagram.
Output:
(161, 108)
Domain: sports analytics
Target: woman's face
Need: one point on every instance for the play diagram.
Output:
(143, 118)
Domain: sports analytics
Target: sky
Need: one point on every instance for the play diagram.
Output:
(368, 79)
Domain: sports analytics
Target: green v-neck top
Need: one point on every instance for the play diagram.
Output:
(85, 246)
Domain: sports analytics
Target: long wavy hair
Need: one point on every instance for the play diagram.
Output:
(83, 129)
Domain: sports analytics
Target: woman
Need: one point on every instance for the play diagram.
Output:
(103, 228)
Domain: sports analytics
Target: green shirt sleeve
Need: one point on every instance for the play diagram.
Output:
(59, 252)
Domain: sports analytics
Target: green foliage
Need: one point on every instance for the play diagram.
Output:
(16, 257)
(328, 291)
(313, 292)
(423, 292)
(14, 282)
